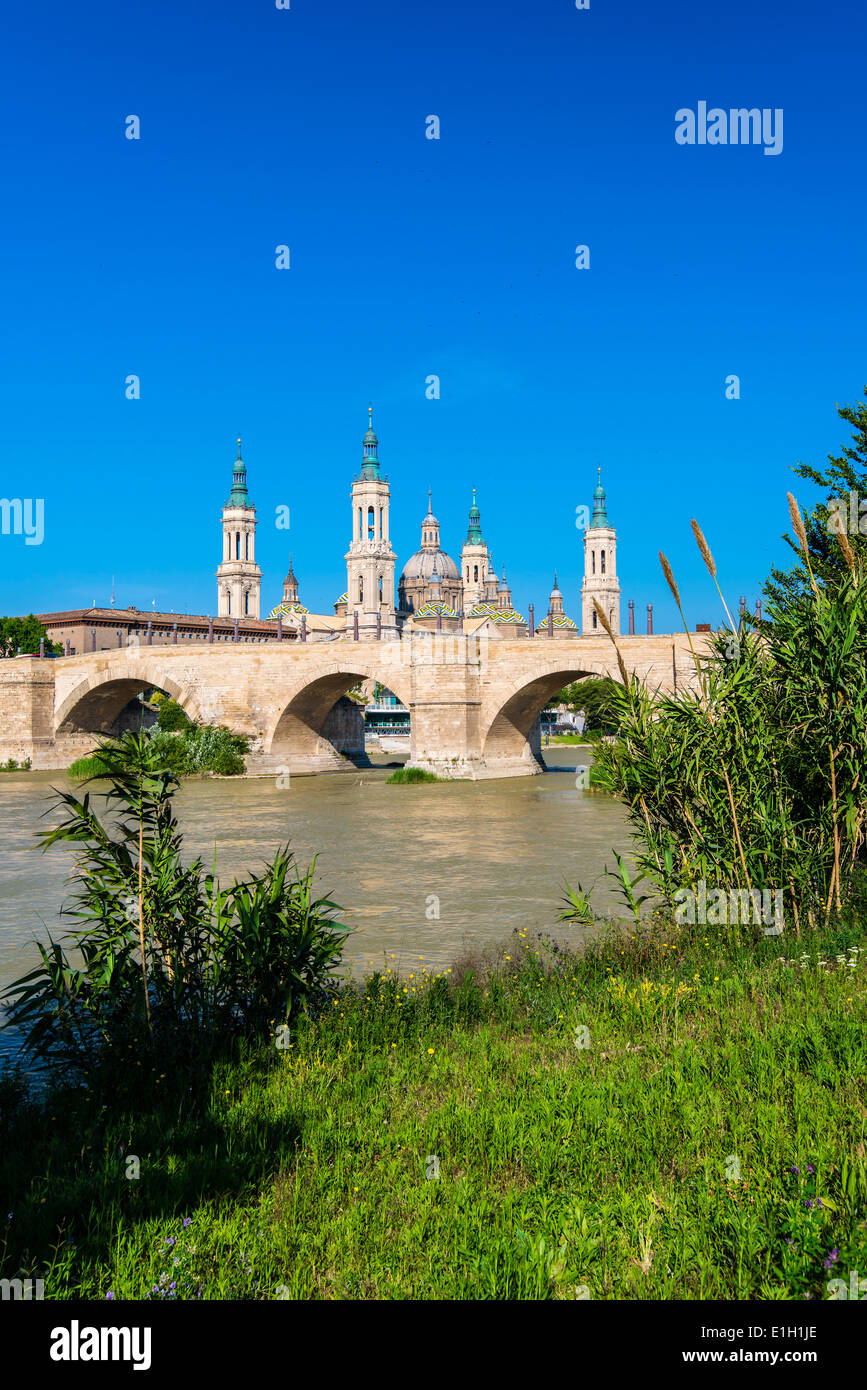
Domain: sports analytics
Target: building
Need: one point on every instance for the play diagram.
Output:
(600, 568)
(434, 592)
(239, 578)
(98, 629)
(430, 576)
(370, 560)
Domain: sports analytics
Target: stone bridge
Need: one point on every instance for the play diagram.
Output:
(474, 699)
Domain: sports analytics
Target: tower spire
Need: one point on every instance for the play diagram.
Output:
(238, 496)
(600, 515)
(370, 461)
(474, 533)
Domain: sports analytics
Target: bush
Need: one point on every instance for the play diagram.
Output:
(172, 717)
(173, 965)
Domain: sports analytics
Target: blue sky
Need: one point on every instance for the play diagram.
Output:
(412, 257)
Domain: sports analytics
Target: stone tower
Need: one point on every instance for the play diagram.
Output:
(370, 559)
(600, 568)
(475, 560)
(239, 578)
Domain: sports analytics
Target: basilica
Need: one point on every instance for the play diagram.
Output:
(434, 591)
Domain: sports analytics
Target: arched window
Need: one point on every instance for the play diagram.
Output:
(371, 524)
(475, 574)
(593, 559)
(246, 603)
(602, 560)
(229, 597)
(360, 525)
(247, 545)
(380, 588)
(361, 591)
(594, 617)
(237, 545)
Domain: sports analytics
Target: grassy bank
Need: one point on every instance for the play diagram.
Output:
(703, 1138)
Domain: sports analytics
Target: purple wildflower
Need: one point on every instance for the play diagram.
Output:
(794, 1170)
(110, 1294)
(187, 1221)
(832, 1258)
(811, 1168)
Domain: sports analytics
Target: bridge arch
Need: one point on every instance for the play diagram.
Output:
(302, 732)
(509, 733)
(94, 705)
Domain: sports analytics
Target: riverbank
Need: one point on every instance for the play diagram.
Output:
(672, 1115)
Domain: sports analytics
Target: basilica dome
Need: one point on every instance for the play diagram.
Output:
(426, 563)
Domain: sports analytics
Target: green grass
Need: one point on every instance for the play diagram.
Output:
(84, 768)
(409, 775)
(655, 1162)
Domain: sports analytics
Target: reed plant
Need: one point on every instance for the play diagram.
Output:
(755, 777)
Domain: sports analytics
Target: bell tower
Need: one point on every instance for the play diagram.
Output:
(239, 578)
(600, 568)
(370, 559)
(475, 560)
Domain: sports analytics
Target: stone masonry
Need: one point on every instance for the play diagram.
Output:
(474, 700)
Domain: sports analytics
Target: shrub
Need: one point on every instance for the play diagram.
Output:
(172, 717)
(171, 963)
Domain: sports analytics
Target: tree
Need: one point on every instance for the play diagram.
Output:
(24, 633)
(593, 697)
(844, 475)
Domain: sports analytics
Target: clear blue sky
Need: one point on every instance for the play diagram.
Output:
(412, 257)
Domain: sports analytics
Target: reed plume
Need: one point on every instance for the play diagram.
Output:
(843, 542)
(711, 564)
(666, 569)
(605, 623)
(800, 532)
(672, 584)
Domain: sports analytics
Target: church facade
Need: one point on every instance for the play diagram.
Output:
(433, 590)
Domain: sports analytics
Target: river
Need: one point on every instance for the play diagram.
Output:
(487, 856)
